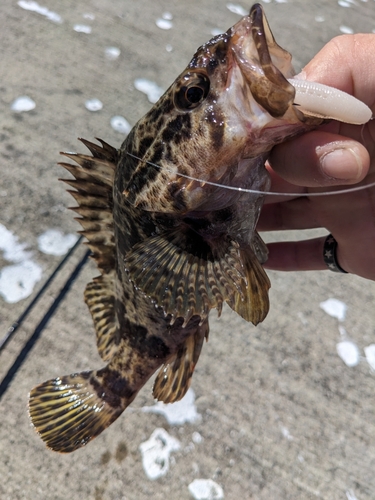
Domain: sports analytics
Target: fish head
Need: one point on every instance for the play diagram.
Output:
(219, 120)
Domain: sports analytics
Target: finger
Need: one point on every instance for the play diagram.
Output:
(295, 214)
(319, 159)
(296, 256)
(343, 63)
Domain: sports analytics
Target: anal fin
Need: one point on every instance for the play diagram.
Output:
(174, 377)
(67, 412)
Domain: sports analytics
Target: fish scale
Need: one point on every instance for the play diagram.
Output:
(169, 249)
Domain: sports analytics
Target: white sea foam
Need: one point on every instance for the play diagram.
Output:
(55, 242)
(346, 30)
(206, 489)
(350, 495)
(178, 413)
(120, 124)
(93, 104)
(348, 352)
(370, 355)
(285, 432)
(156, 453)
(17, 281)
(237, 9)
(112, 53)
(43, 11)
(23, 103)
(151, 89)
(82, 28)
(164, 24)
(197, 438)
(13, 251)
(335, 308)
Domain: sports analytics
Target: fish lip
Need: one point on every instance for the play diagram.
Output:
(252, 44)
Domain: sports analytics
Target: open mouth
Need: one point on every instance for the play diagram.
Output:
(268, 72)
(263, 63)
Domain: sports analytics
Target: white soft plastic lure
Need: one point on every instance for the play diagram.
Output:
(316, 99)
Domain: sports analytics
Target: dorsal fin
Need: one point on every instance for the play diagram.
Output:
(100, 298)
(94, 176)
(93, 183)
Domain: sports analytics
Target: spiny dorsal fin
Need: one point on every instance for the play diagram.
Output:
(184, 284)
(173, 379)
(94, 177)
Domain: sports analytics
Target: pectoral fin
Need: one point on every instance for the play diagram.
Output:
(173, 379)
(188, 278)
(183, 283)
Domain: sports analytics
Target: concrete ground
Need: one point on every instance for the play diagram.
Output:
(282, 416)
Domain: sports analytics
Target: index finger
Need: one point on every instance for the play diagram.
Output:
(346, 64)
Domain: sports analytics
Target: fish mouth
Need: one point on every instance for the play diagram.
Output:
(264, 65)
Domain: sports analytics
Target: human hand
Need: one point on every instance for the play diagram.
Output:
(334, 155)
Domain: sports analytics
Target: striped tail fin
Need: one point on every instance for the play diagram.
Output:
(69, 411)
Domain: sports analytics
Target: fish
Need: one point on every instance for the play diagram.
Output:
(170, 241)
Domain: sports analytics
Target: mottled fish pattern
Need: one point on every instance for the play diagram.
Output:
(169, 249)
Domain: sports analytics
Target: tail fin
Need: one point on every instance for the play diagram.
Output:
(68, 412)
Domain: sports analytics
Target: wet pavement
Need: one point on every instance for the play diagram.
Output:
(275, 412)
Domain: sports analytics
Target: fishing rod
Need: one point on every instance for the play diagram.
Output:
(4, 384)
(14, 326)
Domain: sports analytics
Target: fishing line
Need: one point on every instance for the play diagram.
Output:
(255, 191)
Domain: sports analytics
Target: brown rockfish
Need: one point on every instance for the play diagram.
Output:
(170, 248)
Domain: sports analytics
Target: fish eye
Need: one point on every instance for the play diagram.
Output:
(194, 94)
(192, 91)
